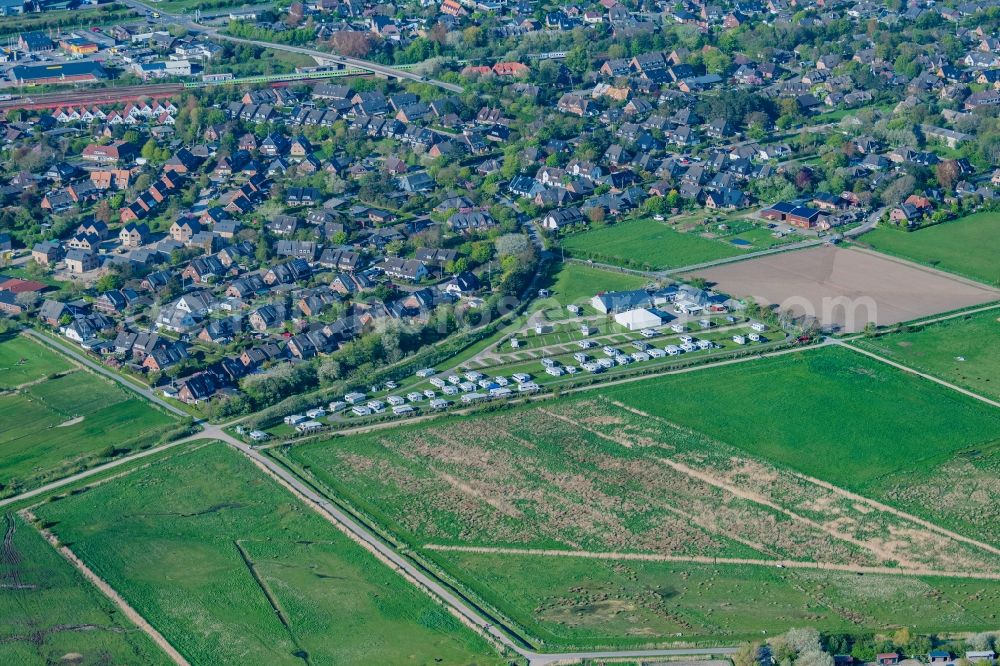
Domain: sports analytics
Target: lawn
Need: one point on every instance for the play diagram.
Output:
(577, 284)
(23, 360)
(49, 612)
(647, 244)
(242, 572)
(969, 246)
(65, 424)
(963, 350)
(830, 413)
(570, 602)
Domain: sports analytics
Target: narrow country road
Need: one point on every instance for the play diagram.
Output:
(101, 370)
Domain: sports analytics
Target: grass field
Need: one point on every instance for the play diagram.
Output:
(242, 572)
(963, 350)
(968, 246)
(572, 602)
(629, 471)
(49, 614)
(829, 413)
(595, 474)
(575, 283)
(647, 244)
(23, 360)
(61, 425)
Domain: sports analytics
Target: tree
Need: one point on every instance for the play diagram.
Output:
(802, 640)
(351, 43)
(148, 151)
(109, 282)
(511, 244)
(947, 173)
(747, 655)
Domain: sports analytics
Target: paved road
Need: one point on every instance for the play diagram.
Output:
(100, 369)
(868, 225)
(536, 659)
(167, 20)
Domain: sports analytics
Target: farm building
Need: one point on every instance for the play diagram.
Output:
(799, 216)
(620, 301)
(639, 319)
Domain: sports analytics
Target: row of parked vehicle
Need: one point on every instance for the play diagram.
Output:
(614, 356)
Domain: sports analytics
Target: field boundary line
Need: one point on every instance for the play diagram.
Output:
(855, 497)
(133, 615)
(870, 250)
(461, 610)
(918, 373)
(701, 559)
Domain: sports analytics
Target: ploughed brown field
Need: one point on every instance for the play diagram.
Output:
(846, 288)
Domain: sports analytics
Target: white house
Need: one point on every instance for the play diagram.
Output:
(638, 319)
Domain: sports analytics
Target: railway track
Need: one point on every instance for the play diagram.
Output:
(91, 96)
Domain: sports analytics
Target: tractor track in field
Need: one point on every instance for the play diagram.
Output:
(699, 559)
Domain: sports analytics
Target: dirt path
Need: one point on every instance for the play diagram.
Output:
(695, 559)
(108, 591)
(924, 375)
